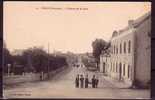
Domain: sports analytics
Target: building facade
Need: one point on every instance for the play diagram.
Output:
(130, 53)
(104, 61)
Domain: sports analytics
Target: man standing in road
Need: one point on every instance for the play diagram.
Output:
(93, 81)
(81, 81)
(86, 81)
(77, 81)
(96, 82)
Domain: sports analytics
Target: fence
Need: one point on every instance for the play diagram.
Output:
(29, 77)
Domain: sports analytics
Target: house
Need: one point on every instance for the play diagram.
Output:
(129, 60)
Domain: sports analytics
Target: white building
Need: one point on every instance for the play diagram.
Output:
(130, 53)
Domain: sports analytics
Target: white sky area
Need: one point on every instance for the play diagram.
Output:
(26, 24)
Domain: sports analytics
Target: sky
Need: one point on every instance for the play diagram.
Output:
(65, 26)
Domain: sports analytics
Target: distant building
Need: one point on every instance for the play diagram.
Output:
(88, 60)
(104, 61)
(130, 53)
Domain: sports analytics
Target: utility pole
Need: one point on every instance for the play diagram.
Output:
(48, 63)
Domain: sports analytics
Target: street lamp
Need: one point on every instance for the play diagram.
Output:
(9, 65)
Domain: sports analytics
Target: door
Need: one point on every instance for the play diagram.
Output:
(120, 71)
(103, 67)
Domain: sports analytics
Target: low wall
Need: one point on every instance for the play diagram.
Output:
(29, 77)
(7, 80)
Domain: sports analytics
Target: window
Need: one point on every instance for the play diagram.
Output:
(111, 49)
(124, 47)
(117, 49)
(114, 49)
(124, 70)
(120, 48)
(129, 47)
(111, 67)
(149, 34)
(120, 68)
(128, 71)
(116, 68)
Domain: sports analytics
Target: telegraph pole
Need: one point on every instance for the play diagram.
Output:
(48, 63)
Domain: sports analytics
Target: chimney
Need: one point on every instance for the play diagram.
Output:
(131, 23)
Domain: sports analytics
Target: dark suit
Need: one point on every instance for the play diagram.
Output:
(77, 82)
(96, 83)
(93, 82)
(86, 82)
(81, 82)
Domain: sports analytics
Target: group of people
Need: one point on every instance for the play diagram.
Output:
(81, 82)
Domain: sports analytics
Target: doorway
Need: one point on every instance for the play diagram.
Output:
(120, 71)
(104, 67)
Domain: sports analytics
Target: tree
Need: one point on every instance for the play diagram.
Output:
(57, 62)
(98, 45)
(37, 58)
(7, 59)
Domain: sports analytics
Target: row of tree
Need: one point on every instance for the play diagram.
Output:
(33, 59)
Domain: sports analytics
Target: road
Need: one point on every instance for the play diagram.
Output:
(62, 86)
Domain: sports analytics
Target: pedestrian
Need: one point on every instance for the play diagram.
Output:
(81, 81)
(93, 81)
(86, 81)
(40, 77)
(77, 81)
(96, 82)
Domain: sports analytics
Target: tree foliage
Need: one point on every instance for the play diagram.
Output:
(35, 59)
(87, 62)
(42, 61)
(98, 45)
(7, 59)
